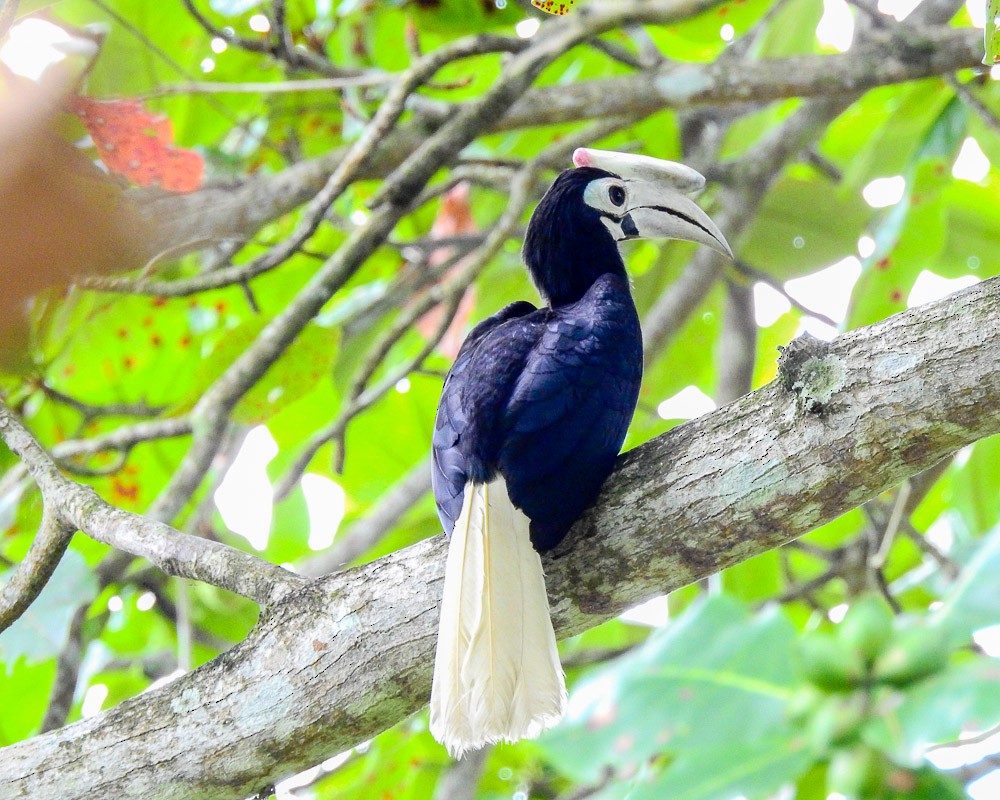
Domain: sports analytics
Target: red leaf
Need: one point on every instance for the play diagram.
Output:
(138, 144)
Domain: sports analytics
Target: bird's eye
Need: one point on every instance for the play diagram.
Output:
(617, 195)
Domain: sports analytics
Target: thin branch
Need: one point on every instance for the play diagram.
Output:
(881, 554)
(760, 275)
(230, 37)
(363, 396)
(31, 575)
(973, 101)
(124, 438)
(737, 354)
(982, 736)
(944, 563)
(461, 780)
(174, 552)
(620, 54)
(278, 87)
(274, 47)
(90, 411)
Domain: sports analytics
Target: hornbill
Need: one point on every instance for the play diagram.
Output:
(531, 418)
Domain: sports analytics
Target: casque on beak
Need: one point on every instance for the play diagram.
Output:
(656, 206)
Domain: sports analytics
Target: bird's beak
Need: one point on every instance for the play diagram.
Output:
(657, 211)
(658, 208)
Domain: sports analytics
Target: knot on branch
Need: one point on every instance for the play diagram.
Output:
(812, 373)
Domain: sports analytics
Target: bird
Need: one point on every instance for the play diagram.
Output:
(532, 416)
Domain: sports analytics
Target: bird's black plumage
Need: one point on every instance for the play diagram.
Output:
(544, 396)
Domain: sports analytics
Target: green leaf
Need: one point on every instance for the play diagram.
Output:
(963, 699)
(296, 373)
(751, 768)
(974, 601)
(657, 698)
(792, 31)
(977, 486)
(41, 632)
(403, 762)
(24, 695)
(804, 224)
(879, 134)
(991, 34)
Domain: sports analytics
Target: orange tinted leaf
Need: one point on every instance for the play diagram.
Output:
(59, 214)
(454, 218)
(557, 7)
(138, 144)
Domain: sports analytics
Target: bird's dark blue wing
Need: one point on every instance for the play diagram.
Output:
(570, 408)
(479, 371)
(544, 397)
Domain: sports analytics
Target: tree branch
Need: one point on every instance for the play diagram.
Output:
(237, 212)
(78, 507)
(30, 576)
(350, 654)
(390, 204)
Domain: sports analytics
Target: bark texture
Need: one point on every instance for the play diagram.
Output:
(348, 655)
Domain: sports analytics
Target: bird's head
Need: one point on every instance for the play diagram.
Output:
(573, 236)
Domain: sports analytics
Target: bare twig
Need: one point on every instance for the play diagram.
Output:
(881, 554)
(91, 411)
(760, 275)
(973, 101)
(273, 46)
(278, 87)
(737, 343)
(31, 575)
(174, 552)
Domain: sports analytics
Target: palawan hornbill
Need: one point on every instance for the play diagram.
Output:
(530, 421)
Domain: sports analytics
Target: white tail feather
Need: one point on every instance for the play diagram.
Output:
(497, 673)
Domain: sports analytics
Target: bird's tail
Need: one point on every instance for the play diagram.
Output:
(497, 673)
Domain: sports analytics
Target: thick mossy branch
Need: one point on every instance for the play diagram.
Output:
(350, 654)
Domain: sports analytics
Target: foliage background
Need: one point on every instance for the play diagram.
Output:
(724, 700)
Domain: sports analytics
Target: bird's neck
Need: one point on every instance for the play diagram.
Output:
(565, 259)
